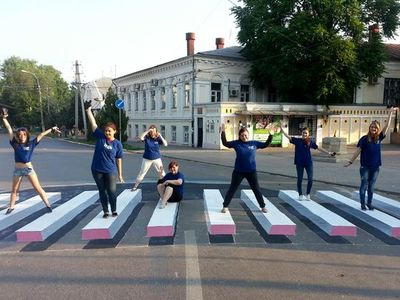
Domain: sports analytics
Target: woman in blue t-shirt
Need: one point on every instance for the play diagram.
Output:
(369, 146)
(170, 187)
(151, 157)
(23, 150)
(245, 165)
(107, 159)
(303, 159)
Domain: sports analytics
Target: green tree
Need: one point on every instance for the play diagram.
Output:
(109, 113)
(20, 92)
(315, 50)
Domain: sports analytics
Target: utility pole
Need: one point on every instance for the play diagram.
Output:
(77, 96)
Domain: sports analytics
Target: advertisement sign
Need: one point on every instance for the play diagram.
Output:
(262, 124)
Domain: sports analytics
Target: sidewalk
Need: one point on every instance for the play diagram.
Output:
(279, 161)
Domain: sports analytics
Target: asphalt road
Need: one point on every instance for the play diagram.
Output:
(192, 264)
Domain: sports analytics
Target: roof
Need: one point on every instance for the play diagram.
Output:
(393, 51)
(231, 52)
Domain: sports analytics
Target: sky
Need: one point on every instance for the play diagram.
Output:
(111, 38)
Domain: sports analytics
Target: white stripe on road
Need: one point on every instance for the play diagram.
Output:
(193, 279)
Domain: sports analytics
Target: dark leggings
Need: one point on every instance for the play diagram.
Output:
(300, 172)
(107, 185)
(237, 178)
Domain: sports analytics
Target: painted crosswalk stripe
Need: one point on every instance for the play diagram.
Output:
(100, 228)
(26, 208)
(274, 221)
(385, 204)
(162, 222)
(375, 218)
(217, 222)
(46, 225)
(331, 223)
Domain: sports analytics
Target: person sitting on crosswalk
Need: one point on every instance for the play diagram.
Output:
(23, 150)
(170, 186)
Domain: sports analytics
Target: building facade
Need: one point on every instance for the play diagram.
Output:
(188, 98)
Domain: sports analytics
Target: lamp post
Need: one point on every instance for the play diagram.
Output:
(40, 98)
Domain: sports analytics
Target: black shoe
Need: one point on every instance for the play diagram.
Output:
(114, 214)
(370, 207)
(49, 209)
(363, 207)
(9, 211)
(106, 215)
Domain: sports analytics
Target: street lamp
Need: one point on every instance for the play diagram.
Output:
(40, 98)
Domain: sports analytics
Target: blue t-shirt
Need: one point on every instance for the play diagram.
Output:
(23, 152)
(302, 153)
(370, 151)
(105, 153)
(179, 175)
(245, 152)
(152, 147)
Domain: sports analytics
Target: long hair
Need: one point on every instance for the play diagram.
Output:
(374, 137)
(307, 140)
(27, 135)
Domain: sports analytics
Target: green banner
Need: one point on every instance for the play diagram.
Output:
(262, 124)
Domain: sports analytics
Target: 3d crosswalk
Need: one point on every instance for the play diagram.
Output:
(385, 204)
(273, 222)
(380, 220)
(163, 222)
(100, 228)
(328, 221)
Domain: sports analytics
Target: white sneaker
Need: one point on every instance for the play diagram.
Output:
(302, 198)
(224, 210)
(308, 197)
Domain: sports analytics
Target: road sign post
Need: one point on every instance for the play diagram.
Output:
(119, 103)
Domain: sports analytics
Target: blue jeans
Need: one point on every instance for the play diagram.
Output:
(107, 185)
(368, 179)
(237, 178)
(300, 172)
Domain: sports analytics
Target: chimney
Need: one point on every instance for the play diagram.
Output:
(190, 37)
(219, 42)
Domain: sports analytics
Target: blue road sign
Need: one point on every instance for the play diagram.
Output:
(119, 103)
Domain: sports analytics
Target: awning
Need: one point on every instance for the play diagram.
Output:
(284, 113)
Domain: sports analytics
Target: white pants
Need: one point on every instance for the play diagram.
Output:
(146, 164)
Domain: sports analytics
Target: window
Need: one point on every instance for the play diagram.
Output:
(129, 131)
(136, 130)
(144, 127)
(174, 96)
(215, 92)
(186, 134)
(163, 98)
(391, 94)
(136, 99)
(153, 100)
(162, 130)
(129, 102)
(144, 101)
(173, 133)
(244, 93)
(187, 95)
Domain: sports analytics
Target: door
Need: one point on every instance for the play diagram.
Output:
(199, 132)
